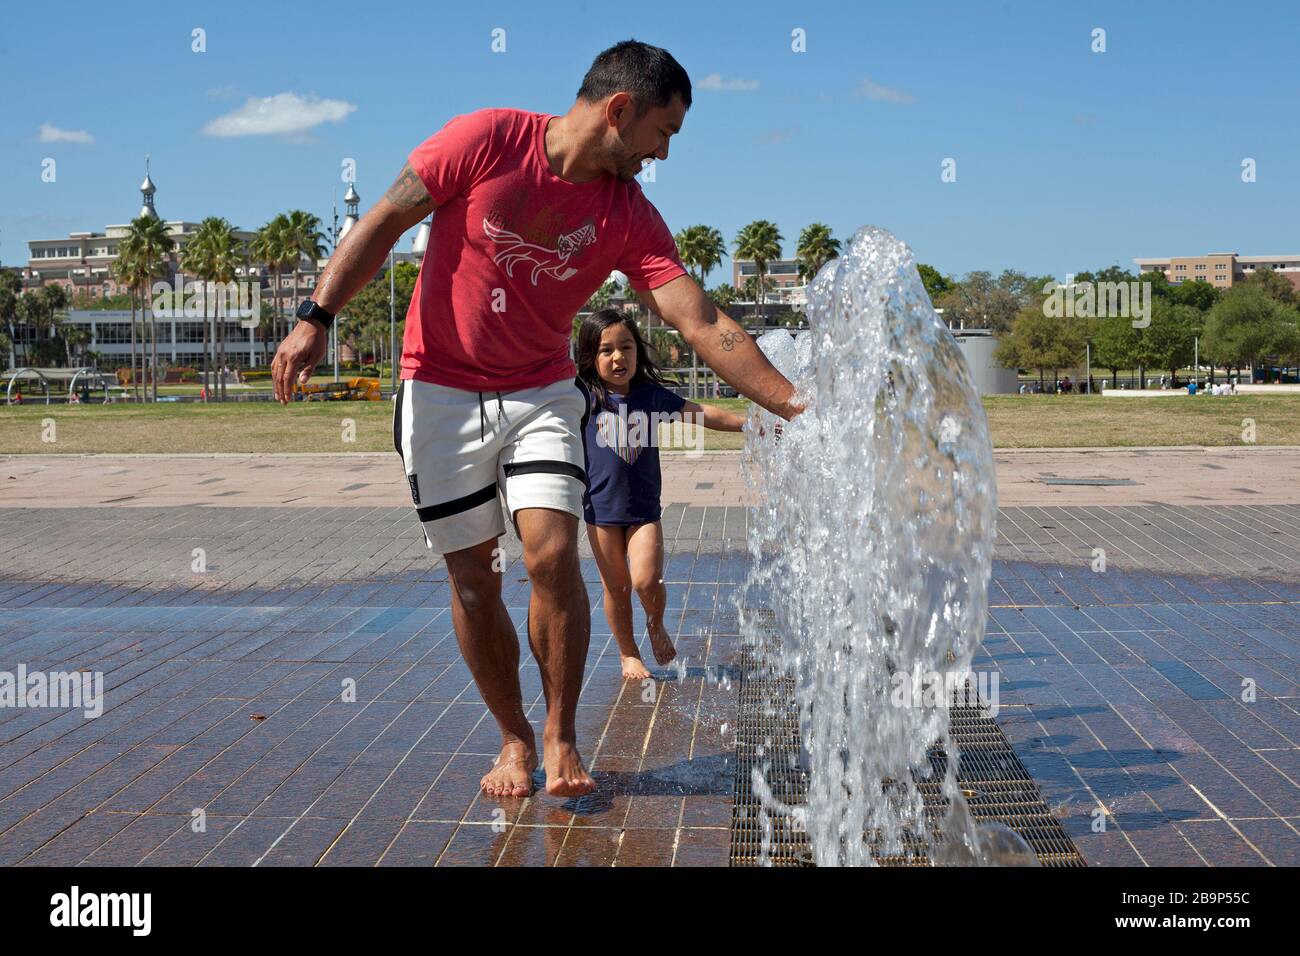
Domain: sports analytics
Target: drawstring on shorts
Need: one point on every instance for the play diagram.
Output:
(482, 415)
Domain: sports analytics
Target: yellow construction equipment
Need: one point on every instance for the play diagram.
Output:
(352, 390)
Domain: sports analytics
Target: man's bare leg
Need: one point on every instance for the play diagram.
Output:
(559, 629)
(490, 646)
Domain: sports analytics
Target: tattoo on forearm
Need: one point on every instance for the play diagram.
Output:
(729, 340)
(408, 191)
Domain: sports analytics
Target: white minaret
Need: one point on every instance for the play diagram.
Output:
(351, 200)
(147, 189)
(421, 241)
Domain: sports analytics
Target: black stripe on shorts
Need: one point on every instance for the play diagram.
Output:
(458, 505)
(542, 467)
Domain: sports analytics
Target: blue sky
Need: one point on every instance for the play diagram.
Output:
(1066, 159)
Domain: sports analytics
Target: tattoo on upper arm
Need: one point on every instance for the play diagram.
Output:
(408, 191)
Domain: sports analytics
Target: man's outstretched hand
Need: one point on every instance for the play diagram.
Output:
(299, 353)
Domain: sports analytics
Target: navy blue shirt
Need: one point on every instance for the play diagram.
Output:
(623, 455)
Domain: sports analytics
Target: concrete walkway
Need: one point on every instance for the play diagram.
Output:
(1173, 476)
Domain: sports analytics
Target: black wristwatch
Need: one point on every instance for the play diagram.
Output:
(310, 310)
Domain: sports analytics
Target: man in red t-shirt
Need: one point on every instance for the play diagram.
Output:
(533, 213)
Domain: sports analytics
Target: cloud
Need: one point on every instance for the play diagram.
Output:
(883, 94)
(226, 92)
(774, 136)
(715, 82)
(52, 134)
(284, 114)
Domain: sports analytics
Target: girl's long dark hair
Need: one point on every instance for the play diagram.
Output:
(589, 333)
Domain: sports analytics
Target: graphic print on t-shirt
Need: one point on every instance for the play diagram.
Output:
(551, 262)
(623, 434)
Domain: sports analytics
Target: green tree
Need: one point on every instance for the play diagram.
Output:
(701, 249)
(1244, 326)
(150, 244)
(10, 288)
(212, 255)
(759, 242)
(816, 247)
(368, 318)
(1169, 341)
(1041, 342)
(302, 234)
(271, 248)
(982, 302)
(602, 296)
(1115, 344)
(1198, 293)
(1274, 285)
(936, 284)
(724, 296)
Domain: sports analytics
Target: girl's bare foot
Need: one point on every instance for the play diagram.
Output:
(661, 642)
(634, 669)
(565, 774)
(512, 774)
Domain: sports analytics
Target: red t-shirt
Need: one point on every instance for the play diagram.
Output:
(515, 252)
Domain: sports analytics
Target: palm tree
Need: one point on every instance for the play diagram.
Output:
(212, 254)
(75, 339)
(759, 242)
(10, 288)
(701, 248)
(724, 296)
(303, 236)
(816, 248)
(129, 270)
(271, 247)
(153, 244)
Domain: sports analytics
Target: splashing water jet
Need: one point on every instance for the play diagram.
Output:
(872, 545)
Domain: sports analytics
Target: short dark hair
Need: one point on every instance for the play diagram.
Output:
(647, 72)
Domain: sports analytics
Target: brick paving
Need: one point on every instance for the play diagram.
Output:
(1120, 690)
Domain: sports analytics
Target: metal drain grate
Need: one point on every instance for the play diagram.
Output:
(996, 784)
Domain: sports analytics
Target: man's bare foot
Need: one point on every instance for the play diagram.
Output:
(661, 642)
(634, 669)
(565, 775)
(512, 774)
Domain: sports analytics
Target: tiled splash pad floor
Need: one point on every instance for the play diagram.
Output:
(1159, 695)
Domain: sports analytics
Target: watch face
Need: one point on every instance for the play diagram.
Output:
(304, 309)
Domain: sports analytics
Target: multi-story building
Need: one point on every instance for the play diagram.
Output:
(1221, 269)
(781, 285)
(82, 263)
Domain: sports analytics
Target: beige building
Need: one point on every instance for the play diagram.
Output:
(1221, 269)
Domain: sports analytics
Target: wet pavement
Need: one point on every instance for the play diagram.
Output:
(283, 687)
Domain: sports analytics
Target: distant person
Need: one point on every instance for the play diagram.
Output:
(1066, 385)
(622, 507)
(534, 212)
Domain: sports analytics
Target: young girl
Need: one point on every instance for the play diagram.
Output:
(622, 506)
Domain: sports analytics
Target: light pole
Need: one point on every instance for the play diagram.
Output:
(392, 319)
(419, 246)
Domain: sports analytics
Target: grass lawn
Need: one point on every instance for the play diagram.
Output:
(1017, 421)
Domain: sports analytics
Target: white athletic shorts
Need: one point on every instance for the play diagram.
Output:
(467, 453)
